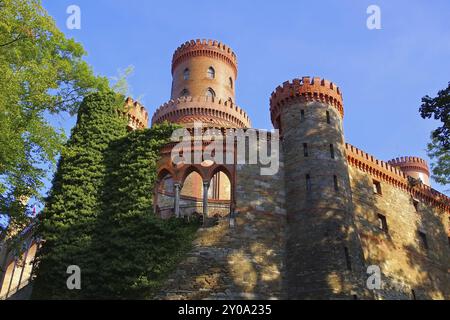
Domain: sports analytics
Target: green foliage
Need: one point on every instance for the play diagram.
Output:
(73, 205)
(99, 215)
(441, 165)
(41, 71)
(439, 148)
(139, 247)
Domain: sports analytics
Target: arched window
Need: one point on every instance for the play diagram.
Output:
(185, 93)
(210, 93)
(211, 73)
(230, 81)
(186, 74)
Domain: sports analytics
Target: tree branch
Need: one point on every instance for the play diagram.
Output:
(11, 42)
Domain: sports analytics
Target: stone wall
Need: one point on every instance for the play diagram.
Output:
(244, 260)
(408, 269)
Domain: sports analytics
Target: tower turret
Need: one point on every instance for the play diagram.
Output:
(414, 167)
(136, 114)
(204, 68)
(324, 256)
(204, 73)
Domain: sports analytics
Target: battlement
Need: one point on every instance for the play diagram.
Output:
(136, 113)
(209, 48)
(202, 109)
(392, 174)
(414, 162)
(306, 89)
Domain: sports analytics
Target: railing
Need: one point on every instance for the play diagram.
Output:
(167, 211)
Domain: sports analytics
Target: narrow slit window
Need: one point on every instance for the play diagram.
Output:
(416, 205)
(308, 182)
(328, 117)
(305, 150)
(382, 223)
(332, 151)
(302, 115)
(423, 240)
(336, 183)
(347, 259)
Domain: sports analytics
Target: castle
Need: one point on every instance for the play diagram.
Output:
(333, 222)
(312, 229)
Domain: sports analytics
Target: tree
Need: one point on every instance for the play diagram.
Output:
(439, 148)
(41, 72)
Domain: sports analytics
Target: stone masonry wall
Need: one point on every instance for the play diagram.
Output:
(244, 261)
(408, 269)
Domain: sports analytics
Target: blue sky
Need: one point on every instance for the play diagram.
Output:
(383, 73)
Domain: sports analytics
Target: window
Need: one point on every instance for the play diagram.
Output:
(308, 182)
(302, 115)
(210, 93)
(416, 204)
(230, 82)
(185, 93)
(382, 223)
(336, 183)
(347, 259)
(186, 74)
(211, 73)
(376, 187)
(413, 294)
(332, 151)
(423, 240)
(328, 117)
(449, 241)
(305, 150)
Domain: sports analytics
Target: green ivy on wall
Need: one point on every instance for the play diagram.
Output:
(99, 214)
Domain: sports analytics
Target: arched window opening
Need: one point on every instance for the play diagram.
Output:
(230, 82)
(210, 93)
(186, 74)
(211, 73)
(219, 187)
(192, 186)
(185, 93)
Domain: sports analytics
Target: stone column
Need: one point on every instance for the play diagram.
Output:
(205, 199)
(176, 203)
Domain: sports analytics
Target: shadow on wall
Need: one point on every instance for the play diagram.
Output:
(240, 262)
(404, 237)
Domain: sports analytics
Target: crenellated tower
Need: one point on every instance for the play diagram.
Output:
(204, 74)
(324, 255)
(414, 167)
(136, 114)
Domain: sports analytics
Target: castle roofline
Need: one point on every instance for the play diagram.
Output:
(393, 175)
(306, 89)
(201, 108)
(204, 47)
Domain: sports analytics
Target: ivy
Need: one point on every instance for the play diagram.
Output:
(99, 214)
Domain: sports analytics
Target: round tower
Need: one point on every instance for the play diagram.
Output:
(204, 68)
(414, 167)
(204, 74)
(324, 256)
